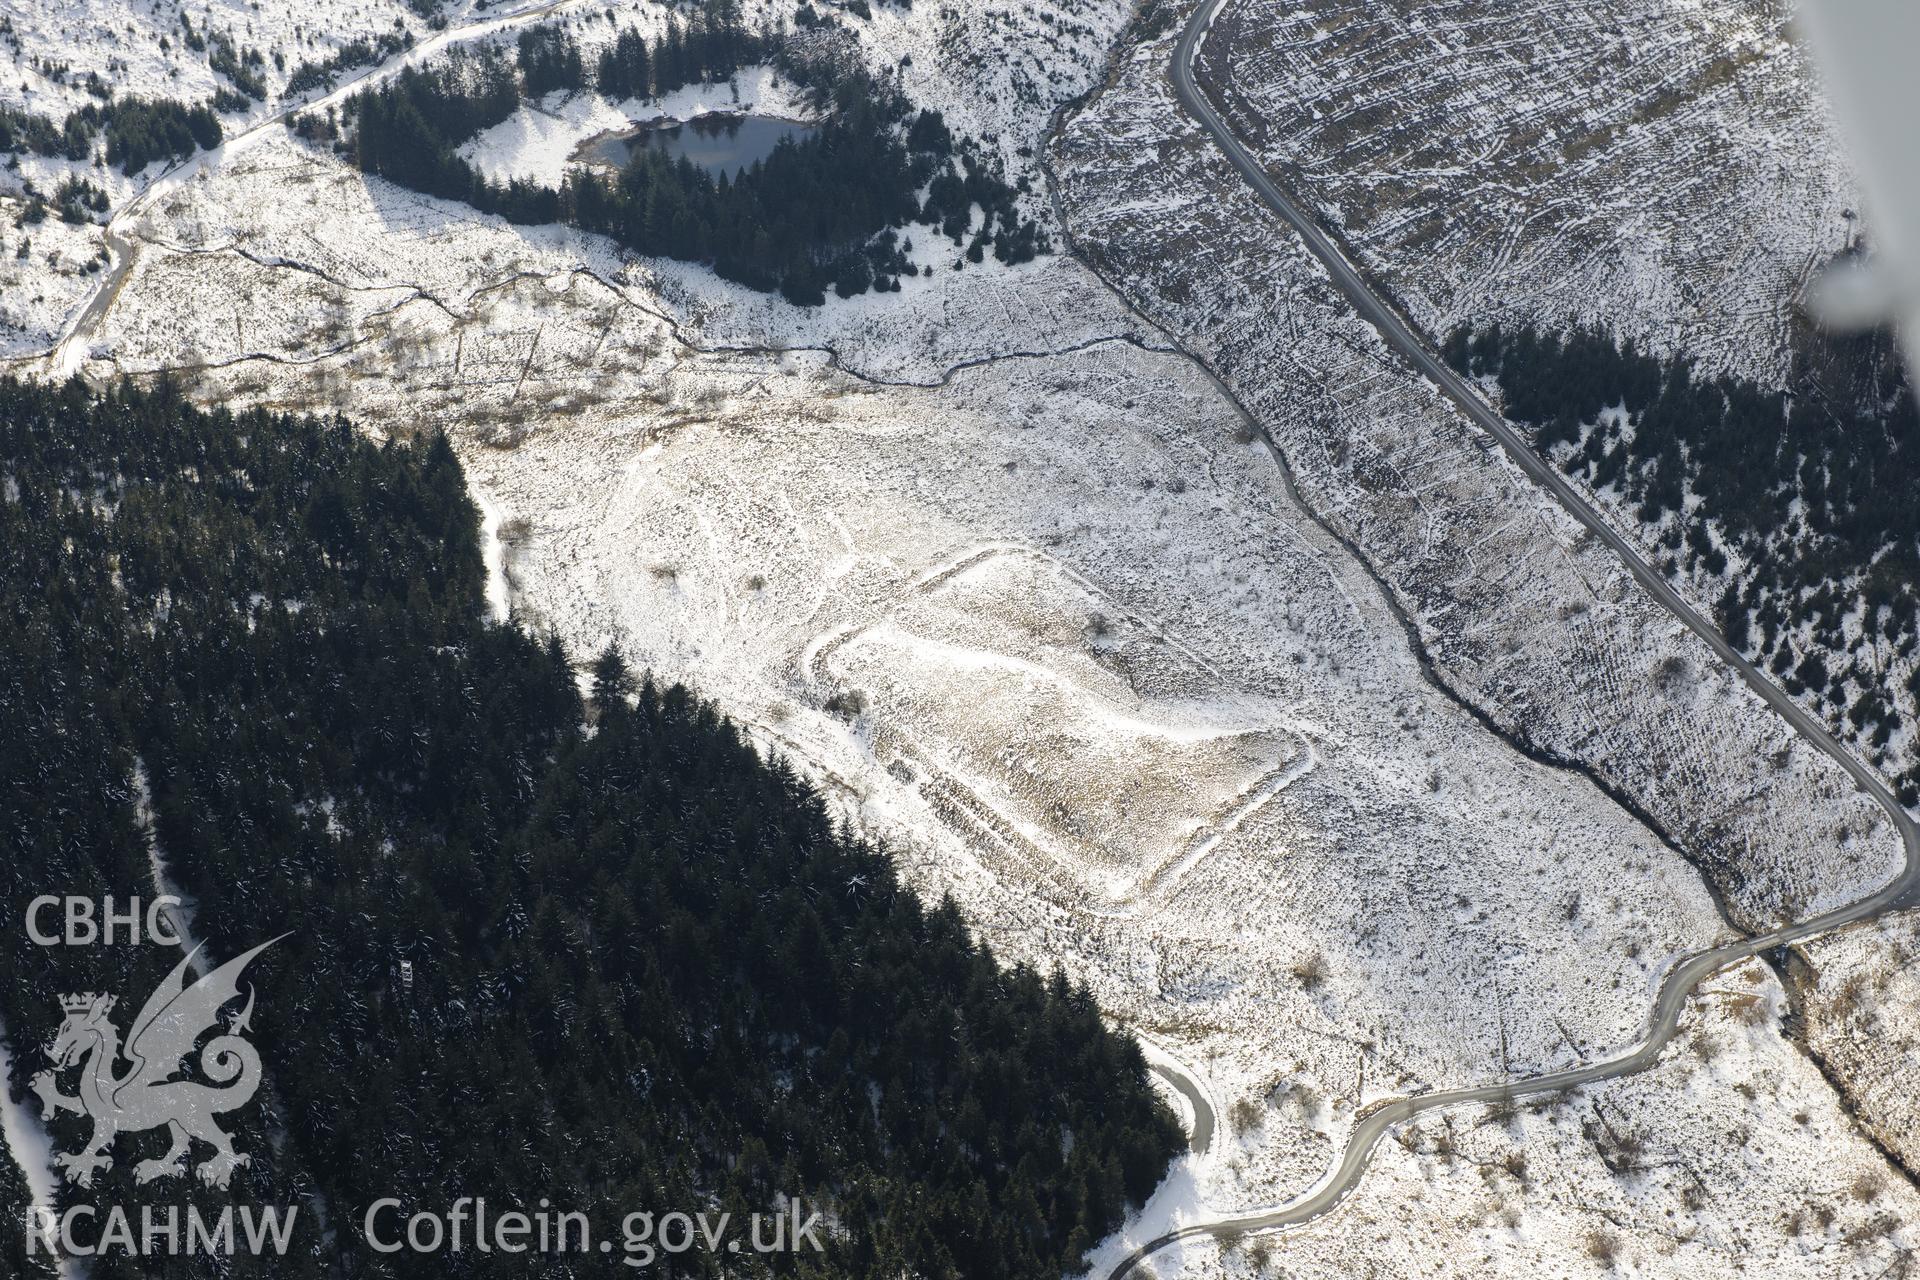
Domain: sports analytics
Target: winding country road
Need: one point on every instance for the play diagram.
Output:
(1902, 891)
(1184, 1083)
(70, 354)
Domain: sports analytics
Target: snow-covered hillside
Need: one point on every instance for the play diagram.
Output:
(1664, 170)
(169, 48)
(1523, 617)
(1274, 706)
(1530, 620)
(1049, 620)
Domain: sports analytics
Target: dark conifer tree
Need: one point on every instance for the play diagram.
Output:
(647, 969)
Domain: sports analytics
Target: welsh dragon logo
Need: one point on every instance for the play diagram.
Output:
(149, 1094)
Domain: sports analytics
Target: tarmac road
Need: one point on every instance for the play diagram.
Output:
(1903, 891)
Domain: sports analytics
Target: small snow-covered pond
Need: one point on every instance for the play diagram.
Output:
(720, 143)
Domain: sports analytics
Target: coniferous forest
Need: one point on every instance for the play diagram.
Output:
(136, 131)
(821, 213)
(14, 1197)
(542, 943)
(1805, 494)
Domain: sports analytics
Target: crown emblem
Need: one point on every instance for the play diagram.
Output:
(169, 1029)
